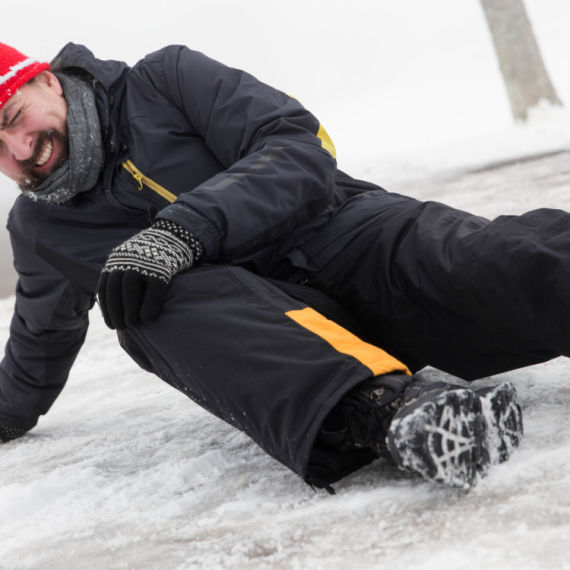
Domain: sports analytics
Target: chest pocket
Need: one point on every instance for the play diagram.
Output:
(145, 181)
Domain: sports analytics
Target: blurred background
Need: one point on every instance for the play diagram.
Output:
(391, 81)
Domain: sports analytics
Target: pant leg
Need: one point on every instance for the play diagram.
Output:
(256, 358)
(446, 288)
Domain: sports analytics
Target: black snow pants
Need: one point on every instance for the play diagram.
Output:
(429, 284)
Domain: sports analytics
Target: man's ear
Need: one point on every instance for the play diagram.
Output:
(48, 79)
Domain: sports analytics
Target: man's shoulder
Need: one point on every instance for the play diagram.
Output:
(26, 211)
(27, 215)
(23, 220)
(162, 59)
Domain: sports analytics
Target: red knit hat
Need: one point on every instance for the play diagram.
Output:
(15, 70)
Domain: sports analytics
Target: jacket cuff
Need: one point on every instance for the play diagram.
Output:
(198, 226)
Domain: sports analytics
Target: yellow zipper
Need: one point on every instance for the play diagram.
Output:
(142, 179)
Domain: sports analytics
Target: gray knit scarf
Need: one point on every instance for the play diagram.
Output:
(81, 171)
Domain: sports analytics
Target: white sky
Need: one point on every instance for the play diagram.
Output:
(415, 72)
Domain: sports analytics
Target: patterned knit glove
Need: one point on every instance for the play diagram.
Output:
(136, 276)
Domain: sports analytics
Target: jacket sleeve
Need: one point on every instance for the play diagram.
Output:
(47, 330)
(279, 161)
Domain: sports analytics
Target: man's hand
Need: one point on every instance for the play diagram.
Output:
(136, 276)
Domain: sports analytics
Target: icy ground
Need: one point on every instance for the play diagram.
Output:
(126, 473)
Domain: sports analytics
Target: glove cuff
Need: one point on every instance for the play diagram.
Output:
(182, 233)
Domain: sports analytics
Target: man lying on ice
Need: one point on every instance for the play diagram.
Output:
(205, 211)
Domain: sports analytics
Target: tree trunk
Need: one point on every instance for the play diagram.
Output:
(519, 57)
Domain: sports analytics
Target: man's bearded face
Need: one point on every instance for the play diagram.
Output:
(33, 174)
(33, 132)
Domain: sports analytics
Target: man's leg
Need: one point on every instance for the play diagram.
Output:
(260, 360)
(305, 389)
(467, 295)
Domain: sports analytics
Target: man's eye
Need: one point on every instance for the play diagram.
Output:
(15, 117)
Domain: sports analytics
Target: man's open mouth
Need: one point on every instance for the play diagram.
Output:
(46, 153)
(50, 152)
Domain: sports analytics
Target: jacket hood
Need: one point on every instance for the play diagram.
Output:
(77, 59)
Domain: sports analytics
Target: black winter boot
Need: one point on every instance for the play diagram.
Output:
(362, 418)
(451, 434)
(444, 432)
(8, 433)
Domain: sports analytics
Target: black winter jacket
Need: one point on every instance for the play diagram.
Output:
(244, 167)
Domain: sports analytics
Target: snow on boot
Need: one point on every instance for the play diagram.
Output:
(451, 434)
(504, 420)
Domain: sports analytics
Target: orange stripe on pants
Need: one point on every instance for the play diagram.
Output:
(379, 361)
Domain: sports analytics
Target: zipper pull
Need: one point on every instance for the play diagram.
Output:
(138, 177)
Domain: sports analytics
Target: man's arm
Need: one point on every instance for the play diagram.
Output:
(280, 168)
(47, 330)
(279, 173)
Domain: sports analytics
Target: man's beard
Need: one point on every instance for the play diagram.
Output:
(31, 178)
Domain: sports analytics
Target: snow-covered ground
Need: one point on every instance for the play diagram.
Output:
(126, 473)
